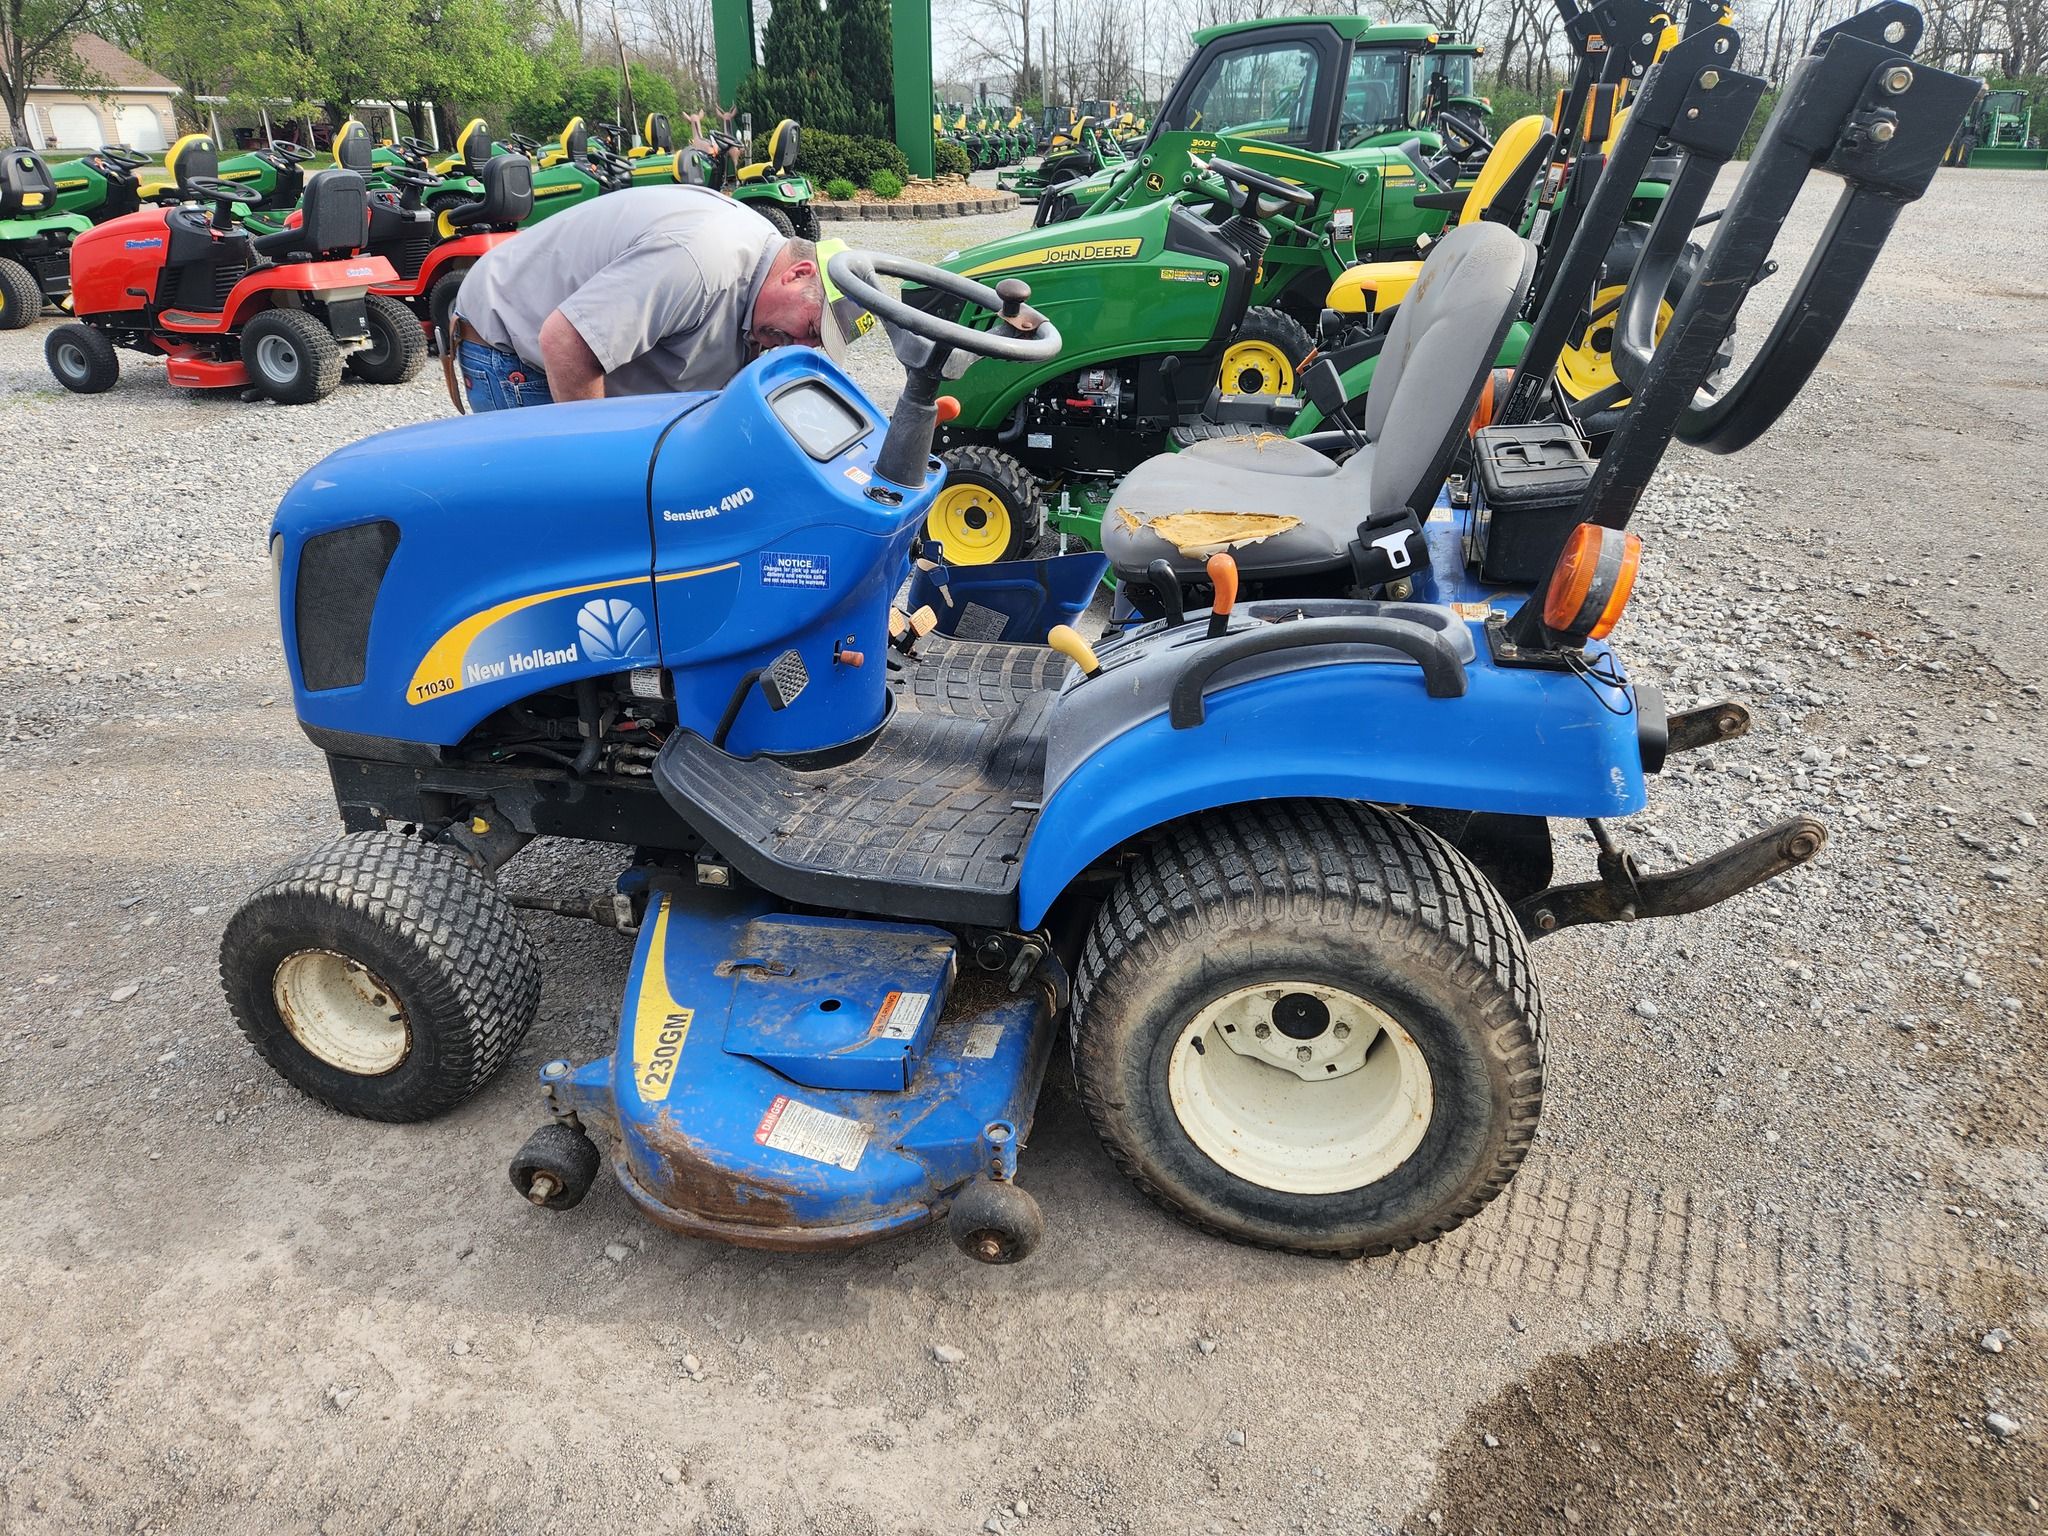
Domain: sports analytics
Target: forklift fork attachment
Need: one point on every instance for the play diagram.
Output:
(1624, 893)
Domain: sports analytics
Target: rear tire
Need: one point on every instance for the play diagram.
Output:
(291, 356)
(382, 976)
(989, 508)
(1587, 365)
(777, 217)
(1287, 940)
(441, 306)
(82, 358)
(398, 343)
(21, 296)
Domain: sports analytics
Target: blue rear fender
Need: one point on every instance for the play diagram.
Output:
(1520, 742)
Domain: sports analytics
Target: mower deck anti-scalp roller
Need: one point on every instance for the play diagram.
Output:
(880, 862)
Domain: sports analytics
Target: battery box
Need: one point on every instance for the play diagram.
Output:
(1527, 483)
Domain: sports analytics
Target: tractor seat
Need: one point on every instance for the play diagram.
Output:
(1284, 509)
(27, 190)
(334, 220)
(473, 146)
(576, 143)
(783, 145)
(192, 158)
(507, 201)
(657, 137)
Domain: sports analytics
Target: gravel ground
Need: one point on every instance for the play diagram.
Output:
(1776, 1263)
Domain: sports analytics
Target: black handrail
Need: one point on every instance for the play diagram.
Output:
(1443, 674)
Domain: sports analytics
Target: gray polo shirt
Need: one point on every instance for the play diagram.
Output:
(660, 281)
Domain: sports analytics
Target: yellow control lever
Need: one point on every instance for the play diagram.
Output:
(1070, 645)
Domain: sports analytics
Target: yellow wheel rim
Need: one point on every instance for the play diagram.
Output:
(1587, 368)
(1256, 368)
(971, 522)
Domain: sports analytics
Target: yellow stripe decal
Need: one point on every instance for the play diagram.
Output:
(660, 1023)
(1266, 152)
(706, 570)
(440, 670)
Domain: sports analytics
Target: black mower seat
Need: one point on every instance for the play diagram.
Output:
(507, 201)
(352, 148)
(334, 220)
(27, 190)
(929, 823)
(1445, 337)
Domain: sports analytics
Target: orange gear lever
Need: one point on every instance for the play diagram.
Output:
(1223, 577)
(947, 408)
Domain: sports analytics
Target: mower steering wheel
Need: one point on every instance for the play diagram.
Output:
(855, 272)
(122, 156)
(1463, 138)
(417, 146)
(213, 189)
(1258, 183)
(410, 176)
(289, 152)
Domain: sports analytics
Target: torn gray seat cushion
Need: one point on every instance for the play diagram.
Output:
(1329, 507)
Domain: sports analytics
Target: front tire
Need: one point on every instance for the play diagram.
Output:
(398, 343)
(382, 976)
(989, 508)
(1310, 1026)
(21, 296)
(82, 358)
(291, 357)
(1266, 355)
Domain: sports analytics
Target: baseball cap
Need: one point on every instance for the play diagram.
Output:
(843, 321)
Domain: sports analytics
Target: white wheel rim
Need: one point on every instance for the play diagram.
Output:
(277, 357)
(1332, 1096)
(341, 1012)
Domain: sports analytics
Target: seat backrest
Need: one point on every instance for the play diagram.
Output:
(1439, 350)
(507, 201)
(192, 158)
(27, 190)
(783, 146)
(353, 150)
(657, 134)
(694, 168)
(1509, 156)
(473, 145)
(576, 142)
(334, 214)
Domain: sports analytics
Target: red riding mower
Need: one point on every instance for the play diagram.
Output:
(432, 249)
(228, 309)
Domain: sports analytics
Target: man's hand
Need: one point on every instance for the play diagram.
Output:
(573, 370)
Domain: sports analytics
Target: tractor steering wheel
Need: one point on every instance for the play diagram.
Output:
(1463, 139)
(290, 153)
(213, 189)
(855, 272)
(126, 158)
(1255, 183)
(417, 146)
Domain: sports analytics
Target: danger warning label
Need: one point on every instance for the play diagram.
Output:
(804, 1131)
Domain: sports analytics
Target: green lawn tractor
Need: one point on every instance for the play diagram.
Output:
(578, 168)
(273, 176)
(35, 239)
(1082, 149)
(102, 185)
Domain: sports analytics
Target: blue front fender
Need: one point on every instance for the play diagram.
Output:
(1521, 742)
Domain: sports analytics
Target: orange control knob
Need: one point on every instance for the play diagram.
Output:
(847, 658)
(1223, 577)
(948, 408)
(1074, 648)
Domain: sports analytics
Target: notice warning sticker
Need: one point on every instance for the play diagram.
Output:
(803, 1131)
(899, 1015)
(982, 1041)
(780, 569)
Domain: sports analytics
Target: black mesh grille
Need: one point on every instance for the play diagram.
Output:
(339, 575)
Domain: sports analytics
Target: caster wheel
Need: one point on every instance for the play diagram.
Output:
(995, 1223)
(555, 1167)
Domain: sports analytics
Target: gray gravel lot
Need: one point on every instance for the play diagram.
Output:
(1789, 1190)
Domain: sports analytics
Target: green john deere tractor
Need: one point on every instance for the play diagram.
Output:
(35, 239)
(102, 185)
(1999, 135)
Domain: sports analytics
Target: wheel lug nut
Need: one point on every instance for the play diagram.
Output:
(1262, 1030)
(1342, 1031)
(1303, 1053)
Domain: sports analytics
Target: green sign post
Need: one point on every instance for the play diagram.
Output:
(910, 46)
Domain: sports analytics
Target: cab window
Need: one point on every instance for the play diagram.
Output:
(1263, 92)
(1375, 98)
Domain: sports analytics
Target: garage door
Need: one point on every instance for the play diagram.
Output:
(74, 127)
(142, 129)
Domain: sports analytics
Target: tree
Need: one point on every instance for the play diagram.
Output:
(866, 58)
(471, 52)
(206, 49)
(339, 52)
(35, 44)
(800, 74)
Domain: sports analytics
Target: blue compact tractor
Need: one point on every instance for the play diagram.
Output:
(1270, 865)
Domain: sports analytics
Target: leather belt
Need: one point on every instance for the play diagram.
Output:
(459, 331)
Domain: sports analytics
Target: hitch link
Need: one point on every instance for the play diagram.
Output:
(1625, 894)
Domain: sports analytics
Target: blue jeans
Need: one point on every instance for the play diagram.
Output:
(498, 381)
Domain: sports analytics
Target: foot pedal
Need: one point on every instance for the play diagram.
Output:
(835, 1003)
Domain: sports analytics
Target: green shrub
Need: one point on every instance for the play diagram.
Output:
(886, 184)
(830, 156)
(840, 190)
(949, 159)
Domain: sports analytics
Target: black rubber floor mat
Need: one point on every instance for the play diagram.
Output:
(930, 822)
